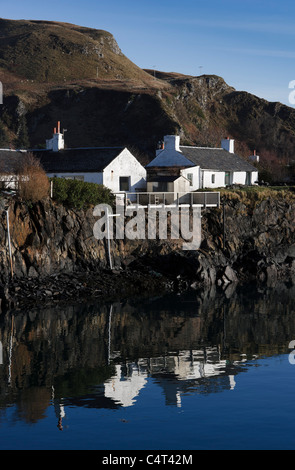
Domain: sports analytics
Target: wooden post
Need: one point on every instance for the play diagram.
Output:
(9, 242)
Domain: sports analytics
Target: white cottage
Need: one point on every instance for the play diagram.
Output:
(202, 167)
(10, 163)
(114, 167)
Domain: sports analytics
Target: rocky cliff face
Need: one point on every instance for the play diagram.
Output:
(57, 71)
(55, 255)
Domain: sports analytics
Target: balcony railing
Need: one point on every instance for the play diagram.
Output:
(147, 199)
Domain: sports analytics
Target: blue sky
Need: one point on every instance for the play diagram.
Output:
(250, 44)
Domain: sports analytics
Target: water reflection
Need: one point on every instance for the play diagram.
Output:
(102, 356)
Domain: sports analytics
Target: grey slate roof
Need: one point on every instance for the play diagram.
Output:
(166, 179)
(77, 160)
(10, 161)
(65, 161)
(216, 159)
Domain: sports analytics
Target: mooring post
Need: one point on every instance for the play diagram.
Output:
(223, 205)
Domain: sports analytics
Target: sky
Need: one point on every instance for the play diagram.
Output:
(250, 43)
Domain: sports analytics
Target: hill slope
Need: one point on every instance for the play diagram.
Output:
(57, 71)
(55, 52)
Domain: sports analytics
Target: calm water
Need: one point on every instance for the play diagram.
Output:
(187, 372)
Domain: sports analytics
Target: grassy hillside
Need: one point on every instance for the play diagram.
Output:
(46, 51)
(57, 71)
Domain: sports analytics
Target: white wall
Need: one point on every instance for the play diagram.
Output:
(125, 165)
(195, 171)
(254, 177)
(237, 177)
(240, 177)
(206, 180)
(181, 185)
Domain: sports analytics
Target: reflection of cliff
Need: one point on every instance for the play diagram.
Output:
(83, 350)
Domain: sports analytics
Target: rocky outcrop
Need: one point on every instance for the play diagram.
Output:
(55, 255)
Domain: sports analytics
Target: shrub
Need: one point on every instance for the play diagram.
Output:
(33, 183)
(79, 194)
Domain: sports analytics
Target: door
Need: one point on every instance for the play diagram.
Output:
(124, 183)
(227, 178)
(248, 178)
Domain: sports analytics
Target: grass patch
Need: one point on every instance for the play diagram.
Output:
(253, 195)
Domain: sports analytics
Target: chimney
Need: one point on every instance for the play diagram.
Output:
(57, 142)
(160, 145)
(254, 158)
(172, 142)
(228, 145)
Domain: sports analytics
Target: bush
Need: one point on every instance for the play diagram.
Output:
(79, 194)
(33, 183)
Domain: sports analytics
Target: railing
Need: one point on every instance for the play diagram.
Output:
(8, 182)
(145, 199)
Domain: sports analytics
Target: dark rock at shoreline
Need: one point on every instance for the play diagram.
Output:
(81, 286)
(56, 257)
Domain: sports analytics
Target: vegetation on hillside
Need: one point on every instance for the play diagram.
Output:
(45, 51)
(79, 194)
(33, 183)
(57, 71)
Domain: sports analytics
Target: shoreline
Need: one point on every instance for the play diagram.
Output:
(101, 285)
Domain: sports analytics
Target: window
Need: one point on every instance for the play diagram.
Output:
(213, 179)
(124, 183)
(190, 178)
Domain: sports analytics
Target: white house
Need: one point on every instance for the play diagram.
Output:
(10, 164)
(114, 167)
(203, 167)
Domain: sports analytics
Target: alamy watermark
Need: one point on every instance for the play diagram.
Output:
(176, 223)
(1, 93)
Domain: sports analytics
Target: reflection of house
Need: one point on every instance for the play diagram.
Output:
(124, 389)
(198, 371)
(200, 167)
